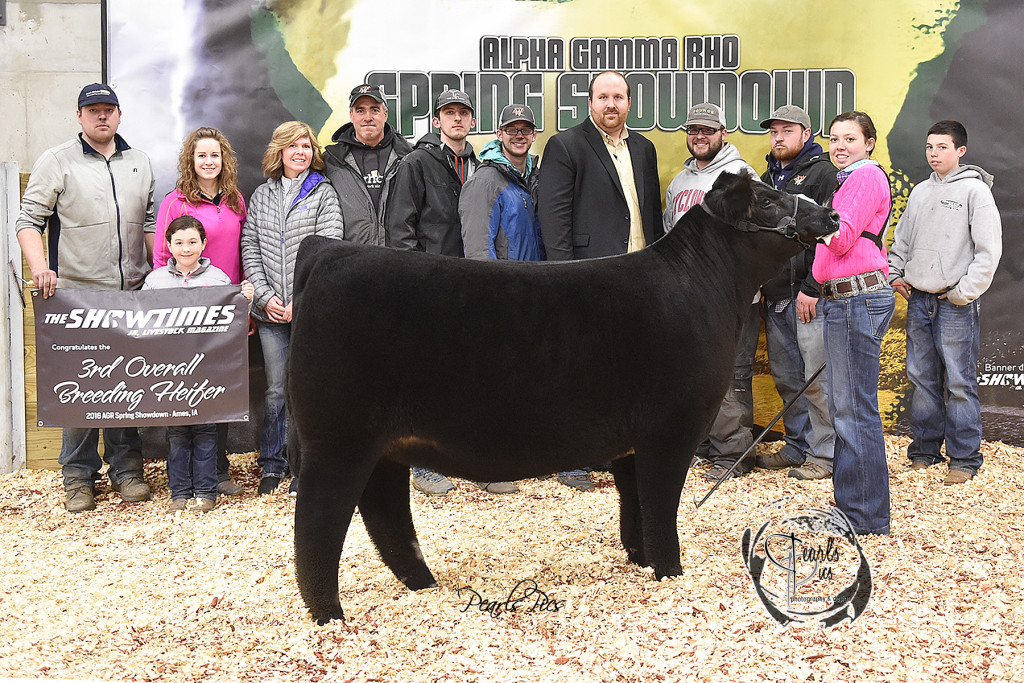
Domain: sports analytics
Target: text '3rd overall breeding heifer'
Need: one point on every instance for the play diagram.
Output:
(495, 371)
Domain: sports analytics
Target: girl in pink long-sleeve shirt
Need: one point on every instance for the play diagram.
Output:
(207, 189)
(853, 271)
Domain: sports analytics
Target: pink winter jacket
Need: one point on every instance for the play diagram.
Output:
(223, 232)
(863, 203)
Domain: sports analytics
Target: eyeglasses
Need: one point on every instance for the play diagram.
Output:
(701, 130)
(519, 132)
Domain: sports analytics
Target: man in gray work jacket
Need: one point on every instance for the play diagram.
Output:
(93, 196)
(362, 163)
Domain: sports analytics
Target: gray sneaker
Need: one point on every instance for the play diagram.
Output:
(431, 483)
(133, 489)
(579, 481)
(79, 498)
(498, 487)
(809, 470)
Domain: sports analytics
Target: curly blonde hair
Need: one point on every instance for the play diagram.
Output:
(227, 181)
(284, 135)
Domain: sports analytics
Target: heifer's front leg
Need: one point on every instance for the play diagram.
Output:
(630, 520)
(660, 474)
(388, 520)
(323, 511)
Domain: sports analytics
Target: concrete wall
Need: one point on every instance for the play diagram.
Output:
(49, 49)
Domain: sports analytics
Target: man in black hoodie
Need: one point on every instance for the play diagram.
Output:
(793, 324)
(362, 163)
(423, 213)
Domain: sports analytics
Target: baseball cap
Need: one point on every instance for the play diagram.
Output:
(97, 93)
(789, 113)
(366, 90)
(516, 112)
(452, 97)
(705, 114)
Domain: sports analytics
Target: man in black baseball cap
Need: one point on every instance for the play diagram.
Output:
(362, 163)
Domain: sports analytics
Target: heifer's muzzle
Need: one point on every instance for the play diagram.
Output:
(785, 227)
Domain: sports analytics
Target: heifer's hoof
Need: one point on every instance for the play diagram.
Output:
(322, 617)
(421, 583)
(668, 573)
(638, 558)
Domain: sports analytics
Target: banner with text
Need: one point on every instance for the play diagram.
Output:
(146, 358)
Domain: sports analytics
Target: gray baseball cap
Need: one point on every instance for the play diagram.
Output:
(789, 113)
(516, 112)
(705, 114)
(452, 97)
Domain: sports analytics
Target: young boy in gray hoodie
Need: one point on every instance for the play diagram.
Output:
(944, 254)
(192, 449)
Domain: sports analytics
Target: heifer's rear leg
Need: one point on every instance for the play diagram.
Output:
(660, 472)
(327, 497)
(630, 519)
(388, 519)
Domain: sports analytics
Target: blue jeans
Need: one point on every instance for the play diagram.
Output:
(854, 328)
(795, 351)
(192, 461)
(731, 433)
(274, 338)
(79, 455)
(942, 365)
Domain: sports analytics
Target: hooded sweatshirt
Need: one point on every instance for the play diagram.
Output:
(689, 187)
(949, 238)
(498, 209)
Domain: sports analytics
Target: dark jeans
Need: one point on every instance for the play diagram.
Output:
(854, 328)
(192, 461)
(942, 364)
(275, 339)
(79, 455)
(732, 431)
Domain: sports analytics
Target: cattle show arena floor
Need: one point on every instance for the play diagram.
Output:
(127, 593)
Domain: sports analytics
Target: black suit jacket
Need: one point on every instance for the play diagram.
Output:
(582, 207)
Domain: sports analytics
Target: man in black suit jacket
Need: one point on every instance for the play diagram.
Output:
(599, 192)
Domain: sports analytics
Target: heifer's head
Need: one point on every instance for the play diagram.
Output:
(749, 205)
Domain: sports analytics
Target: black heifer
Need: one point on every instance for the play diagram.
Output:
(502, 371)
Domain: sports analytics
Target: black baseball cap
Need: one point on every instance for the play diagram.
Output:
(452, 97)
(97, 93)
(366, 90)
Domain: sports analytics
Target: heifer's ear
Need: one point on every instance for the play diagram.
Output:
(731, 197)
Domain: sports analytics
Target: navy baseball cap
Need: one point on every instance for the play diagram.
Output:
(97, 93)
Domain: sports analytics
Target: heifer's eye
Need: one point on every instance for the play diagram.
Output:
(766, 203)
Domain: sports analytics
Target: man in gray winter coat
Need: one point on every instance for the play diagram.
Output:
(705, 139)
(93, 195)
(362, 163)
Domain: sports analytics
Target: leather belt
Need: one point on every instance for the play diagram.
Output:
(845, 287)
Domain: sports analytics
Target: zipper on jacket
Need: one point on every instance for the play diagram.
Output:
(117, 213)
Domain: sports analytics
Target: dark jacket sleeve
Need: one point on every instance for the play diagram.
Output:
(403, 214)
(555, 196)
(654, 226)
